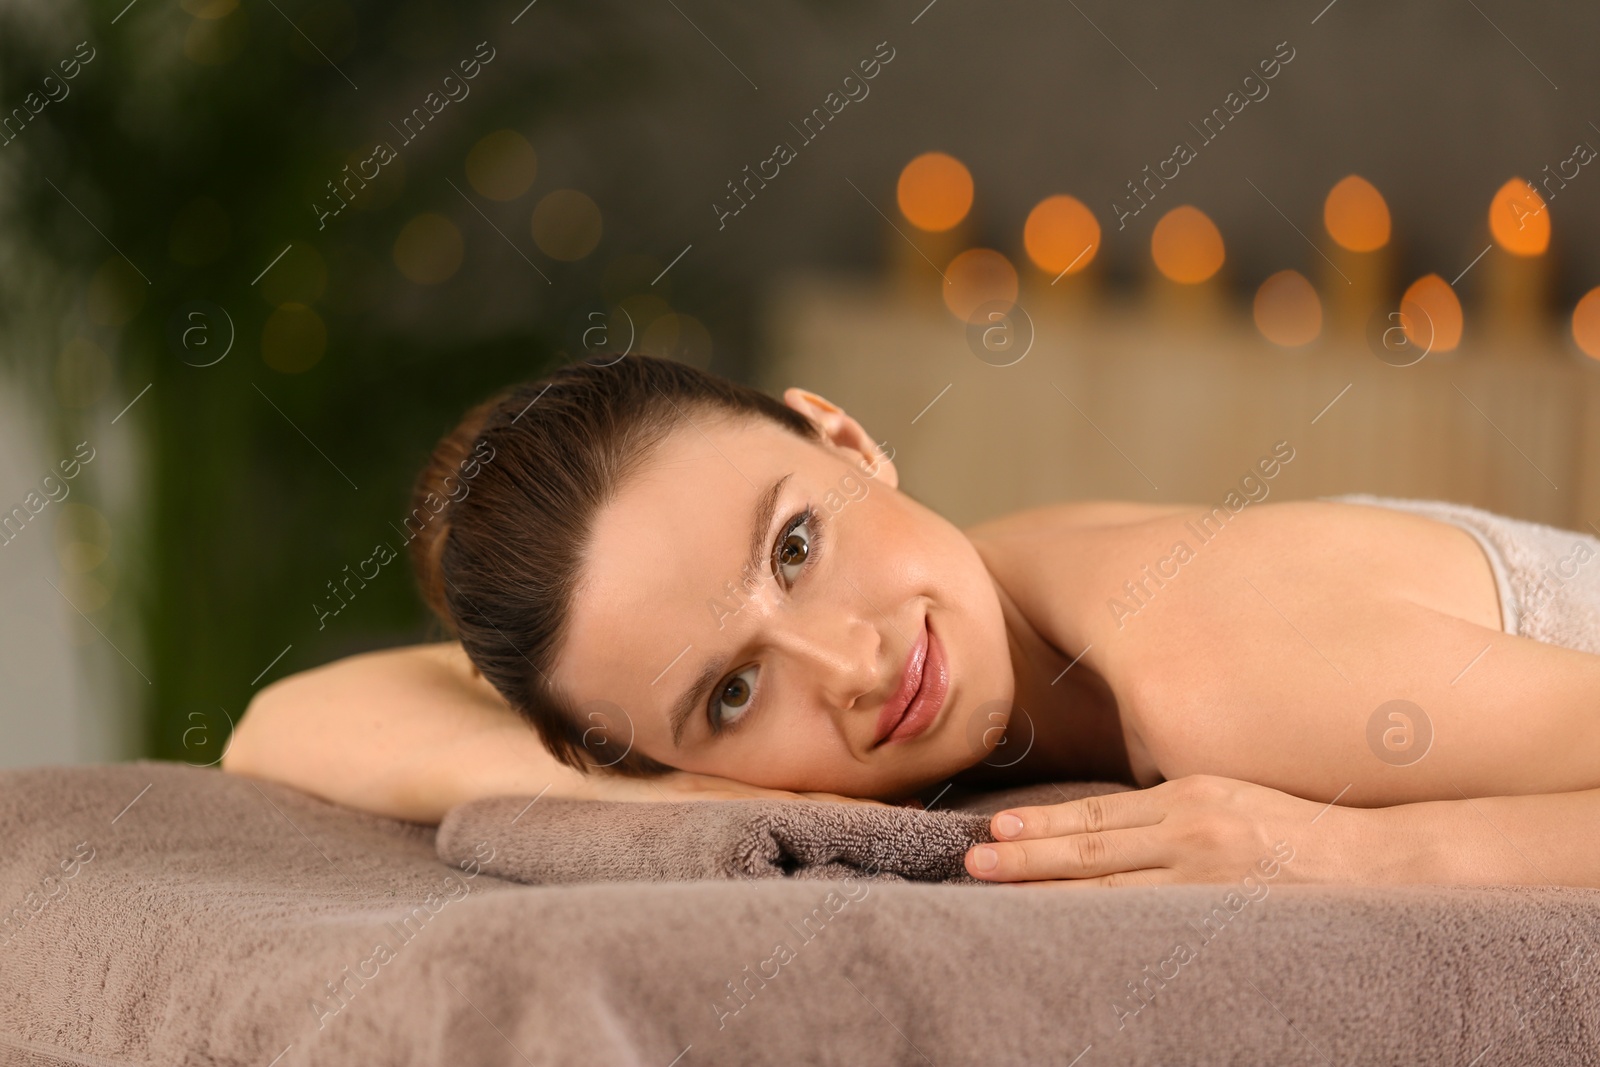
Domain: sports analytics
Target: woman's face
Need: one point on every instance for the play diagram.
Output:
(780, 673)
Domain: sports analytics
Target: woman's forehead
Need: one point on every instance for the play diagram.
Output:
(666, 545)
(700, 474)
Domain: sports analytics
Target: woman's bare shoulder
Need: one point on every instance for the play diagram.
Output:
(1070, 516)
(1069, 560)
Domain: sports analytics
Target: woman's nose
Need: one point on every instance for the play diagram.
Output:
(842, 655)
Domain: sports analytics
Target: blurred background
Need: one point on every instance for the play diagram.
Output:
(258, 255)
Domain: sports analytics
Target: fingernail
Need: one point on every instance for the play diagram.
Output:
(1008, 826)
(985, 858)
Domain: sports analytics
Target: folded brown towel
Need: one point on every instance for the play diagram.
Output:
(555, 842)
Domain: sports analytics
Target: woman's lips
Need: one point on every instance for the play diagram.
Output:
(924, 684)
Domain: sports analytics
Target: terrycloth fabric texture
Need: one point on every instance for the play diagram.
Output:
(560, 842)
(1549, 578)
(222, 922)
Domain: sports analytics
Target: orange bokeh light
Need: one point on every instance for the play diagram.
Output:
(1519, 219)
(1186, 245)
(1061, 235)
(1586, 323)
(1430, 314)
(979, 276)
(1356, 215)
(1288, 311)
(935, 191)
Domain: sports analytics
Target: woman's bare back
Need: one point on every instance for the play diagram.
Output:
(1261, 645)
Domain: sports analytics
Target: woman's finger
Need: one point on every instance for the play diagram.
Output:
(1148, 876)
(1076, 856)
(1087, 815)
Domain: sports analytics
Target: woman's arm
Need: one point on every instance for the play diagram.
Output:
(1539, 839)
(405, 732)
(412, 732)
(1271, 680)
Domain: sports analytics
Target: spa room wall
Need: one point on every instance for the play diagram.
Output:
(1043, 251)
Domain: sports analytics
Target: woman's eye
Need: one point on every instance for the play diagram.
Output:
(793, 550)
(733, 699)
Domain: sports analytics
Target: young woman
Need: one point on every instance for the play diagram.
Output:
(688, 589)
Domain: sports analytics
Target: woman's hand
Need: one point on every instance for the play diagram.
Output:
(1200, 828)
(681, 785)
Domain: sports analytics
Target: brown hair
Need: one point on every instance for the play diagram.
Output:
(499, 557)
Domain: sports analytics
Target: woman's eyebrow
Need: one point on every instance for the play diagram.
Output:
(766, 507)
(692, 697)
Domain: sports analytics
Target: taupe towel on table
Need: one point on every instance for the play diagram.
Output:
(559, 842)
(153, 915)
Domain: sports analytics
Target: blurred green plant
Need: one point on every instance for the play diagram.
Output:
(141, 206)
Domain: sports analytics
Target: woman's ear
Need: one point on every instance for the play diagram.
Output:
(846, 433)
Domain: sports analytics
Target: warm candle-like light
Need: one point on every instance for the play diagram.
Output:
(1186, 245)
(1515, 278)
(1519, 219)
(1061, 235)
(1430, 314)
(1355, 271)
(1356, 215)
(1287, 310)
(979, 276)
(1586, 323)
(935, 191)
